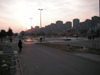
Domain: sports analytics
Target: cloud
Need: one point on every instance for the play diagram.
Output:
(53, 9)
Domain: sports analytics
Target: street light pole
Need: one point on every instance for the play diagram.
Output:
(31, 20)
(40, 18)
(99, 8)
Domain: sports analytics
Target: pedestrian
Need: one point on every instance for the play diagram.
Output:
(20, 46)
(41, 39)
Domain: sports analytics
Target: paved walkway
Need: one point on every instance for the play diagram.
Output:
(93, 57)
(41, 60)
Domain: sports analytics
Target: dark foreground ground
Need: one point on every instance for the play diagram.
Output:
(42, 60)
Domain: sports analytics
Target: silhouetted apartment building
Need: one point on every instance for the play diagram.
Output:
(76, 23)
(84, 26)
(36, 27)
(59, 25)
(68, 25)
(53, 27)
(95, 21)
(59, 28)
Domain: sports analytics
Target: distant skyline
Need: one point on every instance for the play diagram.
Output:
(16, 14)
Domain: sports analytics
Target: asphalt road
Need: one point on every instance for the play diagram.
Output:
(41, 60)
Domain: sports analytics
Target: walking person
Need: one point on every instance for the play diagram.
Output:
(20, 46)
(41, 39)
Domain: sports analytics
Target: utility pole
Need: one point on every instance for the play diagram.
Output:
(31, 20)
(99, 8)
(40, 17)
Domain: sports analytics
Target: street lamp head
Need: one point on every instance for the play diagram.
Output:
(40, 9)
(40, 17)
(30, 18)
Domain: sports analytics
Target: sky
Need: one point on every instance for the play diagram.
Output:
(22, 14)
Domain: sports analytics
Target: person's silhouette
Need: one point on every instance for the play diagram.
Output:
(20, 46)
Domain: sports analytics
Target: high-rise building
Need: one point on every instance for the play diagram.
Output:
(84, 26)
(36, 27)
(95, 21)
(59, 22)
(32, 27)
(76, 23)
(59, 25)
(68, 25)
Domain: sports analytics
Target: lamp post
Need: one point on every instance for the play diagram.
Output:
(40, 18)
(99, 8)
(31, 20)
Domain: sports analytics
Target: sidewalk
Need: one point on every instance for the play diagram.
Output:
(88, 56)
